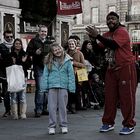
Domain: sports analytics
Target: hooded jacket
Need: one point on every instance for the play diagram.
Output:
(59, 77)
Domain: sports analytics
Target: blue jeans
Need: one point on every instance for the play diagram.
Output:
(39, 96)
(18, 97)
(6, 96)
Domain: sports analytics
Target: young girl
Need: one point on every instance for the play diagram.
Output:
(58, 78)
(19, 57)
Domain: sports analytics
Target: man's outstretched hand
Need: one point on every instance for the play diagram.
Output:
(92, 31)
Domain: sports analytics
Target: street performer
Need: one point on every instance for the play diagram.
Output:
(120, 79)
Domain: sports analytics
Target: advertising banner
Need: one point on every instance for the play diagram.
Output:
(69, 7)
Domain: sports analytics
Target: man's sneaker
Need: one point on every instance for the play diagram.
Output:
(106, 128)
(51, 131)
(127, 130)
(64, 130)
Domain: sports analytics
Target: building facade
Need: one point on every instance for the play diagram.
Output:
(9, 17)
(62, 28)
(133, 19)
(95, 11)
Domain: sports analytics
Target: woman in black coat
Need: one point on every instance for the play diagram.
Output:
(18, 99)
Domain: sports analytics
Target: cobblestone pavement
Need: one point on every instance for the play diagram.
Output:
(82, 126)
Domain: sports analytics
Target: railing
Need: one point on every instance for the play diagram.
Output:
(135, 17)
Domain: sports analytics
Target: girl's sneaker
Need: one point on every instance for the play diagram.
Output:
(51, 131)
(64, 130)
(127, 130)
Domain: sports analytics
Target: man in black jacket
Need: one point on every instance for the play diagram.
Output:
(5, 61)
(37, 48)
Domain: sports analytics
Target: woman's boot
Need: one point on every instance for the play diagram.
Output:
(23, 108)
(14, 111)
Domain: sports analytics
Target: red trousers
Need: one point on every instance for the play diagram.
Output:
(120, 86)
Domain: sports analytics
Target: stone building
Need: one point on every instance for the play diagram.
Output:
(62, 28)
(133, 19)
(95, 11)
(9, 17)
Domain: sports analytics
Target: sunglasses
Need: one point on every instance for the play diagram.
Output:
(8, 36)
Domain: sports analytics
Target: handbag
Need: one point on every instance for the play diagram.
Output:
(15, 78)
(88, 65)
(82, 75)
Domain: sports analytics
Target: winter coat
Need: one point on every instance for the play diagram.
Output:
(26, 65)
(59, 77)
(78, 59)
(34, 44)
(90, 56)
(5, 59)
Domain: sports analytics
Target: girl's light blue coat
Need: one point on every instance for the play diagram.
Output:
(59, 77)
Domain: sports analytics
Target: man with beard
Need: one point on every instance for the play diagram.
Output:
(120, 80)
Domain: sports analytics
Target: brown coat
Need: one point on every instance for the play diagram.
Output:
(78, 59)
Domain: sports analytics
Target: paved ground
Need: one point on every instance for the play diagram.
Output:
(82, 126)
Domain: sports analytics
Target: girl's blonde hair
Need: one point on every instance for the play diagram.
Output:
(50, 57)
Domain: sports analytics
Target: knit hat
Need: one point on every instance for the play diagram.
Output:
(113, 14)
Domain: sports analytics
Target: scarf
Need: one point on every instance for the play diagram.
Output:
(8, 44)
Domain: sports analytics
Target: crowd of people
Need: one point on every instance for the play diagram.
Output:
(110, 68)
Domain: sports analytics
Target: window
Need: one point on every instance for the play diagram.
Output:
(123, 0)
(135, 9)
(94, 15)
(111, 8)
(79, 19)
(136, 35)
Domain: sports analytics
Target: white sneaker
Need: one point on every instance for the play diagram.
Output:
(23, 116)
(51, 131)
(64, 130)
